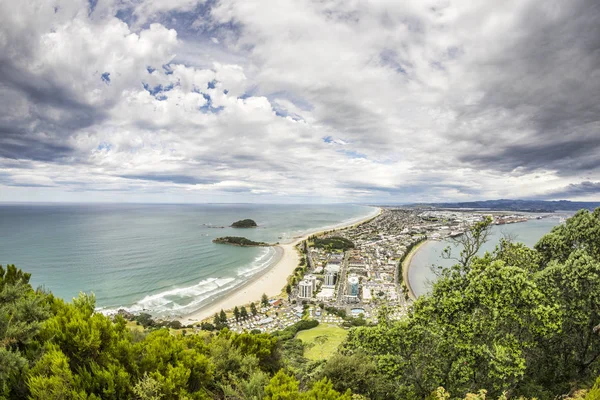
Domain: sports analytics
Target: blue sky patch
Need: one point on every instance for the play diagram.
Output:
(105, 77)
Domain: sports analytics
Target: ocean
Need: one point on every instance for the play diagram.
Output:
(421, 274)
(154, 258)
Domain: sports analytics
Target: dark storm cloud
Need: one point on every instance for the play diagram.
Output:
(55, 112)
(574, 190)
(546, 83)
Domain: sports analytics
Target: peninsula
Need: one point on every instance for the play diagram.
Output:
(240, 241)
(244, 223)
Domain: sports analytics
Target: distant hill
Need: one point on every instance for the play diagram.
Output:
(517, 205)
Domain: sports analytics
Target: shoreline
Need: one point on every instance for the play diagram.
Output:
(270, 281)
(406, 265)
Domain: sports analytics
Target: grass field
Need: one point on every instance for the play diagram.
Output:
(332, 337)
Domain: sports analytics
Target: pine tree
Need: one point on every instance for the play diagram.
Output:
(253, 309)
(236, 313)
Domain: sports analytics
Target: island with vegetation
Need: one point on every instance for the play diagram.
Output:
(240, 241)
(244, 223)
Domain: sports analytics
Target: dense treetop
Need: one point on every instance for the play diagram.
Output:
(333, 243)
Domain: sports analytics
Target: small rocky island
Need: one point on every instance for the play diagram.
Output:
(244, 223)
(239, 241)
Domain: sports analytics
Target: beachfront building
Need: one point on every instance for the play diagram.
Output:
(313, 280)
(353, 285)
(329, 279)
(305, 289)
(327, 293)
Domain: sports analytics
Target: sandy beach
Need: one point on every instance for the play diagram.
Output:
(271, 282)
(406, 268)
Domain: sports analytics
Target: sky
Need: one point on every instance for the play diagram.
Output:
(297, 101)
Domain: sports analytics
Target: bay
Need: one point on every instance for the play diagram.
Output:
(421, 271)
(154, 257)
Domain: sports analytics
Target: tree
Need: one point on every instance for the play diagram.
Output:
(321, 340)
(253, 309)
(236, 313)
(518, 320)
(288, 289)
(243, 312)
(148, 388)
(470, 242)
(222, 317)
(282, 387)
(22, 312)
(264, 301)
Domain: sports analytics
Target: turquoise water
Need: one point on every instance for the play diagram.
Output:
(158, 258)
(421, 275)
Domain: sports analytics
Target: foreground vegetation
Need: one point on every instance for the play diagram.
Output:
(515, 322)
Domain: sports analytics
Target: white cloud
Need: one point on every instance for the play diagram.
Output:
(275, 100)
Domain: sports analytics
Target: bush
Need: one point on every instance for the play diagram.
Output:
(207, 326)
(175, 325)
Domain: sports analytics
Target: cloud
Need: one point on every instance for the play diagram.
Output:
(575, 190)
(276, 100)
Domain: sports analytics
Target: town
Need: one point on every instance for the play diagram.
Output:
(347, 275)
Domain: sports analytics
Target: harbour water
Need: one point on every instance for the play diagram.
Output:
(158, 258)
(421, 274)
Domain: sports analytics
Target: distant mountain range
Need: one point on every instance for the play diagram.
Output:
(517, 205)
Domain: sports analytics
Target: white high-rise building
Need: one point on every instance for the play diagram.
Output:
(312, 279)
(305, 289)
(329, 279)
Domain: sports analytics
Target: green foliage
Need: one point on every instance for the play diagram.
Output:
(520, 321)
(333, 243)
(145, 320)
(285, 387)
(253, 309)
(264, 300)
(22, 312)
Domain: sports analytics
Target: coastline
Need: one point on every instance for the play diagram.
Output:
(269, 281)
(406, 265)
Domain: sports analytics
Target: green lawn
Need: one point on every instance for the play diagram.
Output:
(332, 336)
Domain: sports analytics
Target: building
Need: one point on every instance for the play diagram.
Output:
(353, 284)
(305, 289)
(329, 279)
(312, 279)
(332, 268)
(326, 293)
